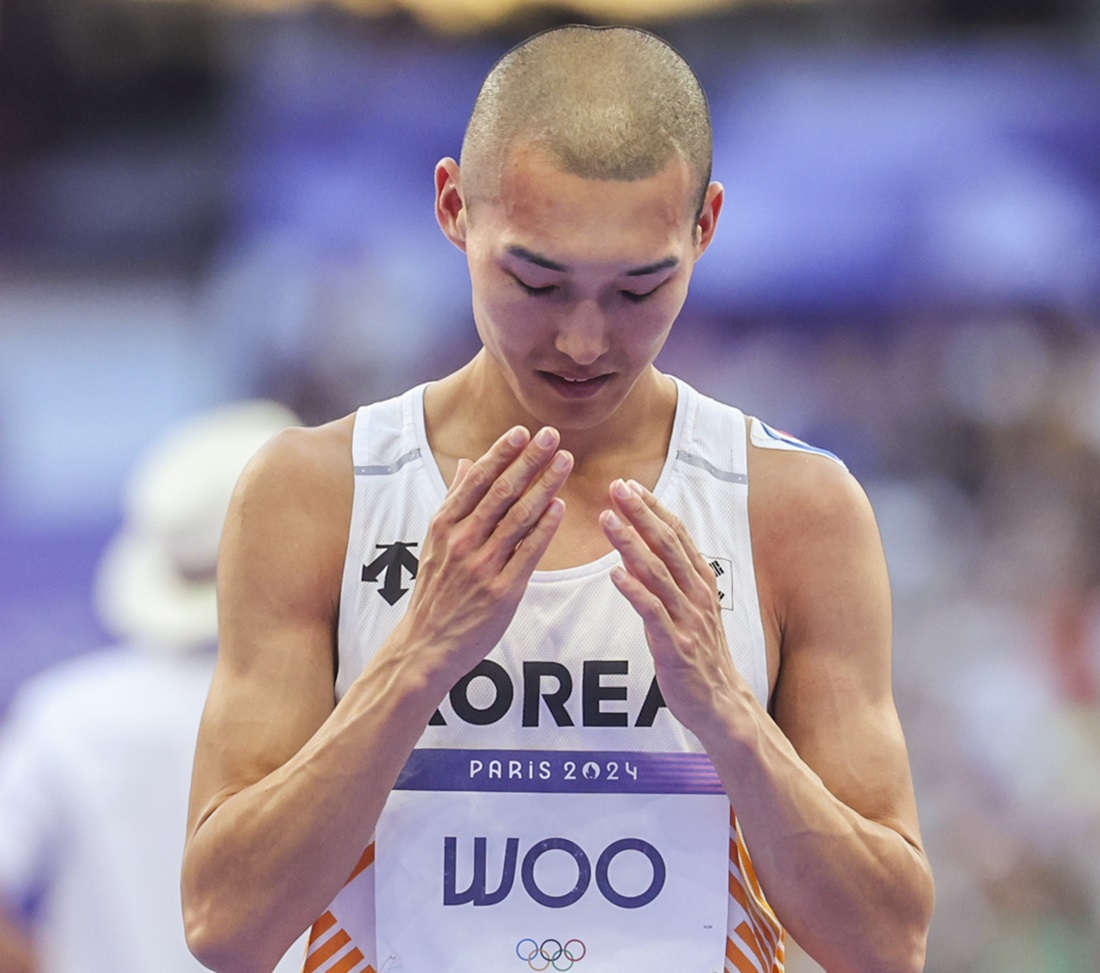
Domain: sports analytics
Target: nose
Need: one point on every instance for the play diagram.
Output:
(582, 333)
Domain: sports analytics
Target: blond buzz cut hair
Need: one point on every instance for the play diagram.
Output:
(602, 102)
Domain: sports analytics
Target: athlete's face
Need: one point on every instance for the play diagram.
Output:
(576, 282)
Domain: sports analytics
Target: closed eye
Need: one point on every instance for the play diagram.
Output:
(535, 291)
(638, 298)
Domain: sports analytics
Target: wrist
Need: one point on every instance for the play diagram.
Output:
(406, 675)
(733, 727)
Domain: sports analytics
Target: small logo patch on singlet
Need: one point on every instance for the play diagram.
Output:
(723, 574)
(391, 565)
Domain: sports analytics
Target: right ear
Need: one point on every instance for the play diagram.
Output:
(450, 208)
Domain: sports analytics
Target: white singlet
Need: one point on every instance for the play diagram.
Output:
(554, 814)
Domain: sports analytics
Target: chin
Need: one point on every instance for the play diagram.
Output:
(573, 415)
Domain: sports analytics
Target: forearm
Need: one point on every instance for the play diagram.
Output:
(17, 953)
(856, 894)
(267, 861)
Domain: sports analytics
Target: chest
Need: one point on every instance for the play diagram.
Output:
(581, 539)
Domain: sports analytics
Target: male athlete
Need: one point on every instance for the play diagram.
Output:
(499, 656)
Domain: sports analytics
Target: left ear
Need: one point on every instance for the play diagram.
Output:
(708, 219)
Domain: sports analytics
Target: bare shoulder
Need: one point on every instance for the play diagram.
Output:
(804, 489)
(285, 537)
(301, 466)
(812, 525)
(293, 504)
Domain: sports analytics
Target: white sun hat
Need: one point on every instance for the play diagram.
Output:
(155, 584)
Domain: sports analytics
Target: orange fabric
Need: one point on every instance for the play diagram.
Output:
(739, 959)
(348, 963)
(761, 930)
(326, 951)
(365, 862)
(321, 926)
(749, 938)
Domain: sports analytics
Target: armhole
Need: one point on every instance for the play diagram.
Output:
(345, 622)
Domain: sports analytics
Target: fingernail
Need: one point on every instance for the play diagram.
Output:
(546, 437)
(620, 491)
(517, 436)
(611, 519)
(636, 487)
(561, 462)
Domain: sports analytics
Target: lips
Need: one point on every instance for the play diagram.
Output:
(575, 386)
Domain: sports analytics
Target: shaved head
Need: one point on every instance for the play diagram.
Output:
(601, 102)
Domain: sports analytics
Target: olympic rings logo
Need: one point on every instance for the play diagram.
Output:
(551, 954)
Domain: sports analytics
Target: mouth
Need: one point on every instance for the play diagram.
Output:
(575, 386)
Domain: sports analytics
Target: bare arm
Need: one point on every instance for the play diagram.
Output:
(822, 791)
(287, 787)
(17, 953)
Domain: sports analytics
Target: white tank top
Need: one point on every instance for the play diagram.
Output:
(567, 699)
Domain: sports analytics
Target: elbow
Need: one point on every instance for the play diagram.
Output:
(921, 922)
(904, 953)
(220, 952)
(908, 956)
(892, 938)
(216, 940)
(227, 936)
(905, 949)
(208, 944)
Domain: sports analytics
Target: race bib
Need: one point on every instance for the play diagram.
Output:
(505, 861)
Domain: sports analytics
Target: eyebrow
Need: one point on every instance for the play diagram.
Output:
(540, 261)
(653, 268)
(537, 259)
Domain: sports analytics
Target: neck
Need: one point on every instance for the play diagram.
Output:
(468, 410)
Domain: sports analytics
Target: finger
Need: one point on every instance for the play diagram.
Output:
(642, 563)
(688, 543)
(522, 517)
(657, 534)
(653, 612)
(467, 492)
(525, 556)
(513, 483)
(461, 470)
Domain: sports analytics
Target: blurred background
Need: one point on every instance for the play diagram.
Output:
(203, 201)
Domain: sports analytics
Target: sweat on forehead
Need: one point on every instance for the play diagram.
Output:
(602, 103)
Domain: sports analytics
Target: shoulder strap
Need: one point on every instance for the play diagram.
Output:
(766, 437)
(713, 437)
(382, 442)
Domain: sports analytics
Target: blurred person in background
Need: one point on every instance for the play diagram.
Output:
(95, 754)
(456, 561)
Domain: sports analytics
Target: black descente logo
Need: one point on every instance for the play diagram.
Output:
(395, 560)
